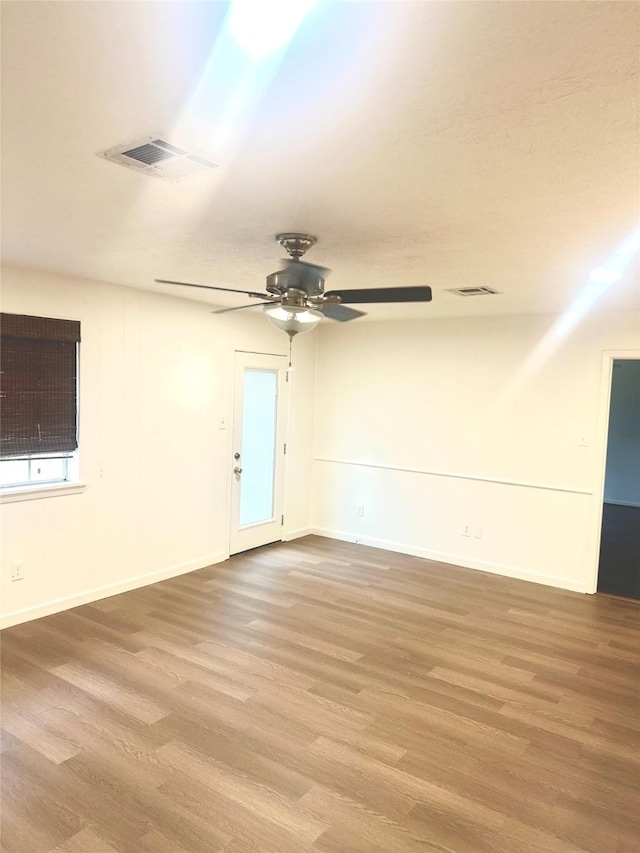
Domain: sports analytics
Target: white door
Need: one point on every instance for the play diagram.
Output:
(258, 451)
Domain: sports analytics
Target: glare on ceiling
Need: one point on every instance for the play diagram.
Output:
(263, 26)
(601, 279)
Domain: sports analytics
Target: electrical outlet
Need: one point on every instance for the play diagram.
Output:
(17, 570)
(477, 533)
(360, 511)
(466, 530)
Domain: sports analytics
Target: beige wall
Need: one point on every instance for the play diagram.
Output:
(156, 378)
(428, 425)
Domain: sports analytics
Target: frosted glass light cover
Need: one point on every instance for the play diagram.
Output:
(293, 320)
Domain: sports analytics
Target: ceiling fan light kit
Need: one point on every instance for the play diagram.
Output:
(295, 300)
(293, 320)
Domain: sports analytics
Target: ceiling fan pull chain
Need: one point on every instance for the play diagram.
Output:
(290, 366)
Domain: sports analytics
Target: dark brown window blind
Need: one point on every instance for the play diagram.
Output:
(38, 385)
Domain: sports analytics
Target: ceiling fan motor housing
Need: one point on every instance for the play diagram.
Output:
(311, 283)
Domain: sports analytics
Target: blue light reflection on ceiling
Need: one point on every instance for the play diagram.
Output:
(600, 281)
(248, 51)
(263, 26)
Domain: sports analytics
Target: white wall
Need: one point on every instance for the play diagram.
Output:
(622, 482)
(413, 421)
(434, 425)
(155, 380)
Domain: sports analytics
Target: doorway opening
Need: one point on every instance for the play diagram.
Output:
(619, 555)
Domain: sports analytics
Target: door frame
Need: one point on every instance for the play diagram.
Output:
(230, 432)
(600, 460)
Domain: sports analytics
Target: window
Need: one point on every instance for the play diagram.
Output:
(38, 400)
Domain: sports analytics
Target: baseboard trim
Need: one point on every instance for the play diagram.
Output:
(17, 617)
(455, 560)
(297, 534)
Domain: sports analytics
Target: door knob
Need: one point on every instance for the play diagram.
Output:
(237, 470)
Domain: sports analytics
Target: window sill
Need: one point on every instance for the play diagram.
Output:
(34, 493)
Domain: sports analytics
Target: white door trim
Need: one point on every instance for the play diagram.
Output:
(600, 461)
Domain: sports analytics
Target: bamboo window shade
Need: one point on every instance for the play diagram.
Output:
(38, 385)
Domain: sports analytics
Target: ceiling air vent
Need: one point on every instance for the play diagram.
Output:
(158, 158)
(473, 291)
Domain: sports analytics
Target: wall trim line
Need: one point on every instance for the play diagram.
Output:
(456, 560)
(522, 484)
(48, 608)
(40, 492)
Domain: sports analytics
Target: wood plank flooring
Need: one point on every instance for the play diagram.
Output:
(323, 697)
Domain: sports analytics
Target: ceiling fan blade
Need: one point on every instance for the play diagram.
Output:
(242, 307)
(340, 312)
(213, 287)
(383, 294)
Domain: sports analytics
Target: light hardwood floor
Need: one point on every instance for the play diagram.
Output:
(321, 696)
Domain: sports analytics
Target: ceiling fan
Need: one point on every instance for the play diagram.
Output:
(295, 299)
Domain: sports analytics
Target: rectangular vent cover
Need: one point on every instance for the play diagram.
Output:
(473, 291)
(158, 158)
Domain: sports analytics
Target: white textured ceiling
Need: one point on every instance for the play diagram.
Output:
(453, 144)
